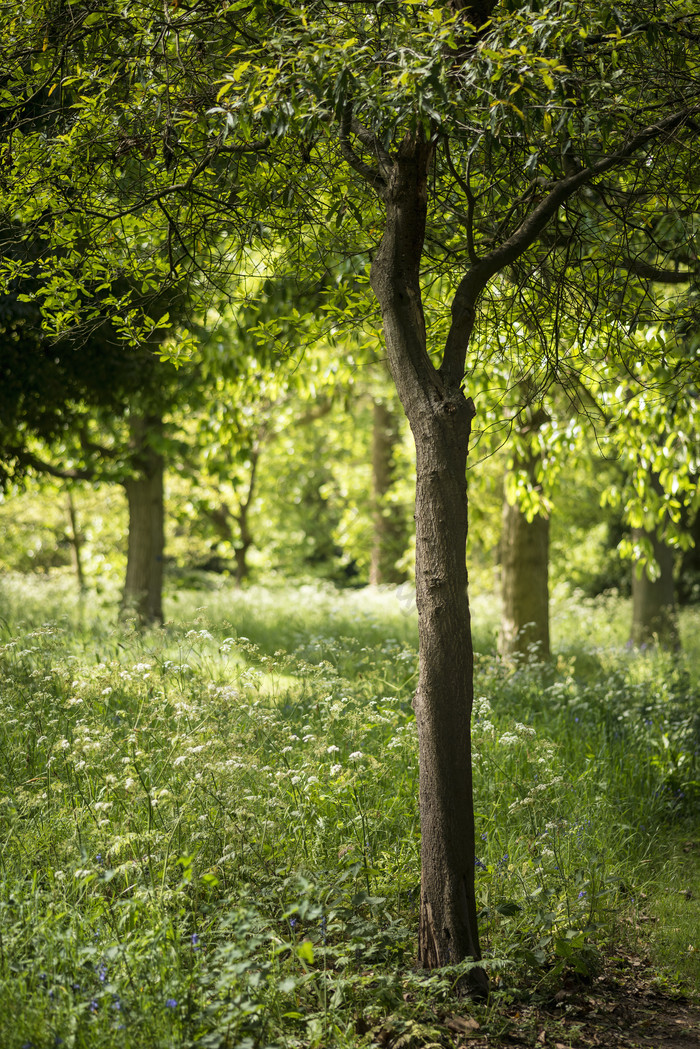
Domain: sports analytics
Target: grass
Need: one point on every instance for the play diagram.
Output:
(210, 837)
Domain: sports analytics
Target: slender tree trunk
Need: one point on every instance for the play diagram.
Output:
(440, 419)
(524, 579)
(524, 585)
(76, 541)
(143, 586)
(689, 583)
(390, 536)
(654, 619)
(246, 536)
(443, 700)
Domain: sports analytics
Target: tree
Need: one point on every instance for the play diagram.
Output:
(656, 435)
(390, 531)
(524, 547)
(427, 142)
(88, 406)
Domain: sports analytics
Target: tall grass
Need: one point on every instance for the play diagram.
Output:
(210, 832)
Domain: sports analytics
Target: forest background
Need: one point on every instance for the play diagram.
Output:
(195, 209)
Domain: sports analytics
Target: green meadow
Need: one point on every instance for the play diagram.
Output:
(210, 832)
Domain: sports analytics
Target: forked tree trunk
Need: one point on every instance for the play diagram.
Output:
(440, 419)
(389, 527)
(143, 586)
(654, 619)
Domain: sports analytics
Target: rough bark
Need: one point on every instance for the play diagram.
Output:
(389, 538)
(143, 586)
(654, 619)
(440, 418)
(443, 701)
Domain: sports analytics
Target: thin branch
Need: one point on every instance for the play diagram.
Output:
(26, 458)
(478, 276)
(644, 269)
(471, 201)
(368, 173)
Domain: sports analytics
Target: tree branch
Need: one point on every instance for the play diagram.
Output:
(25, 458)
(368, 173)
(644, 269)
(479, 274)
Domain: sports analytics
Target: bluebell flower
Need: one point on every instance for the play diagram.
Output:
(170, 1003)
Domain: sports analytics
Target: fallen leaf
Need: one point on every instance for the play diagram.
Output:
(542, 1037)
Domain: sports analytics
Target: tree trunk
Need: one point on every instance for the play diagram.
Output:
(389, 539)
(524, 585)
(443, 700)
(75, 539)
(524, 580)
(654, 618)
(246, 536)
(440, 419)
(143, 586)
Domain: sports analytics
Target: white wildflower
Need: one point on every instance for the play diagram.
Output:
(525, 730)
(332, 750)
(508, 739)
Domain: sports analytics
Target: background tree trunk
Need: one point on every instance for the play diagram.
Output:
(654, 601)
(143, 586)
(246, 536)
(390, 533)
(524, 554)
(75, 539)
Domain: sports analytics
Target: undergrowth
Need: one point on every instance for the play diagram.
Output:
(210, 832)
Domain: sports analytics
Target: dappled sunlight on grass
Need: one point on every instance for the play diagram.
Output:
(212, 826)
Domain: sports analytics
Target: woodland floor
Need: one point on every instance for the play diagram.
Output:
(624, 1007)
